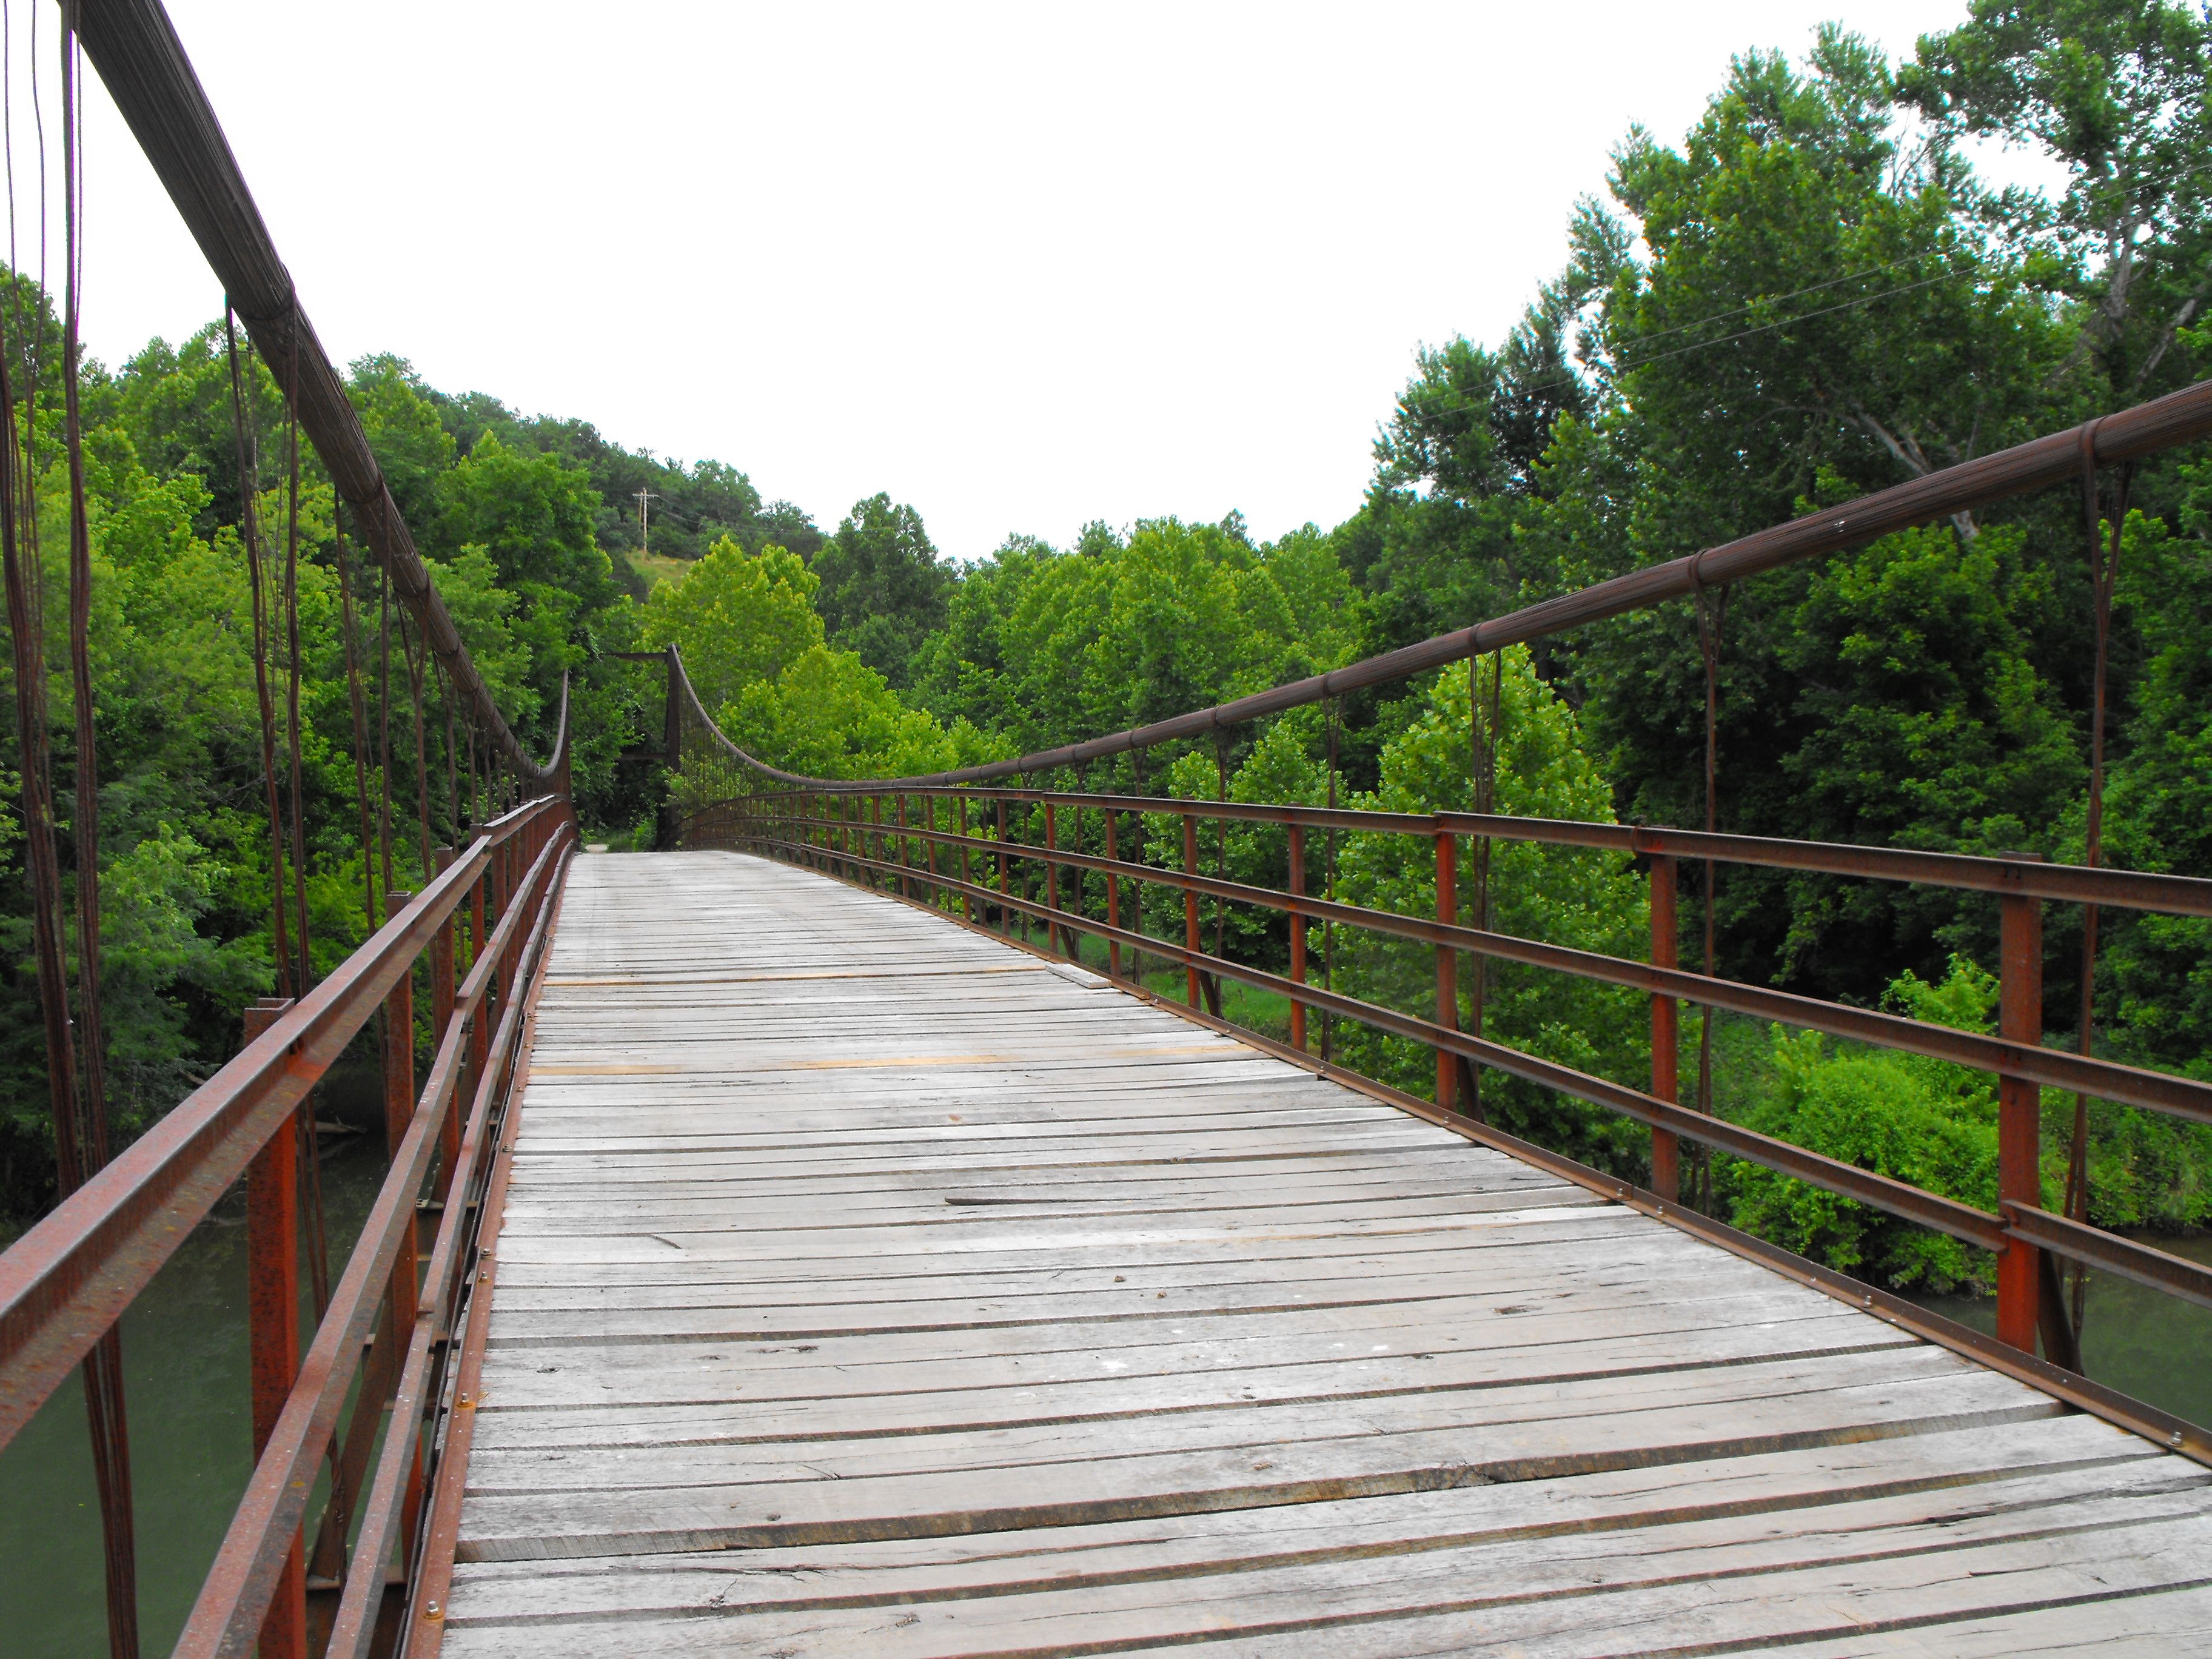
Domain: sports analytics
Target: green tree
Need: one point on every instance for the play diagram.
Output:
(884, 587)
(1564, 895)
(533, 515)
(738, 618)
(2116, 92)
(410, 443)
(828, 714)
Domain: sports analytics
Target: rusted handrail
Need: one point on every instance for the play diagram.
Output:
(2052, 1068)
(449, 1269)
(2142, 1263)
(72, 1274)
(2074, 883)
(227, 1617)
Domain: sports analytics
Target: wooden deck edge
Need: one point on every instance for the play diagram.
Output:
(422, 1627)
(2163, 1428)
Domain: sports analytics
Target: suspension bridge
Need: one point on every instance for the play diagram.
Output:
(823, 1235)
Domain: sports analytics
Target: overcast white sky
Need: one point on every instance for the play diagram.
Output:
(1022, 266)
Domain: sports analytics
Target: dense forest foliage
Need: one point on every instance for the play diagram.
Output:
(1810, 294)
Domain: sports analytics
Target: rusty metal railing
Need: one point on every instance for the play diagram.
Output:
(890, 841)
(885, 834)
(71, 1276)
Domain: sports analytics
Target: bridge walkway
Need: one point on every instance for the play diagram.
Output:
(867, 1287)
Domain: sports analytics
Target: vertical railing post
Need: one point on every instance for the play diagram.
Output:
(1190, 934)
(1298, 874)
(479, 1027)
(929, 844)
(1666, 1030)
(1005, 915)
(441, 1015)
(1447, 965)
(1055, 935)
(502, 895)
(1074, 911)
(1113, 900)
(272, 1277)
(398, 1109)
(2020, 1109)
(967, 899)
(905, 852)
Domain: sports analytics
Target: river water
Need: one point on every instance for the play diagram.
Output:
(184, 1353)
(2140, 1341)
(185, 1364)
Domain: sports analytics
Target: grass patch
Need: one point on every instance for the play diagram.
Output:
(1267, 1013)
(657, 568)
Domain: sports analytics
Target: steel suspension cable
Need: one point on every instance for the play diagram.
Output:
(309, 1137)
(453, 764)
(104, 1383)
(383, 727)
(1328, 927)
(251, 526)
(2104, 571)
(1486, 737)
(1712, 618)
(414, 662)
(355, 698)
(305, 976)
(1221, 863)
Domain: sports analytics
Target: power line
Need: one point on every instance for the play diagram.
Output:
(1620, 368)
(1793, 294)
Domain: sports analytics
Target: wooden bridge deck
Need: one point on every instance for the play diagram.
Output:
(866, 1287)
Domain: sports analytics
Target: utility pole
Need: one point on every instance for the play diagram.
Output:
(645, 500)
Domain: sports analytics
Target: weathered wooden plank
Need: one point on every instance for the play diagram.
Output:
(1921, 1480)
(819, 1451)
(697, 1303)
(1463, 1315)
(1202, 1349)
(1032, 1355)
(1141, 1580)
(1446, 1605)
(789, 1510)
(825, 1402)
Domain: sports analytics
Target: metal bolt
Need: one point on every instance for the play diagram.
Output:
(432, 1610)
(1870, 1300)
(2175, 1437)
